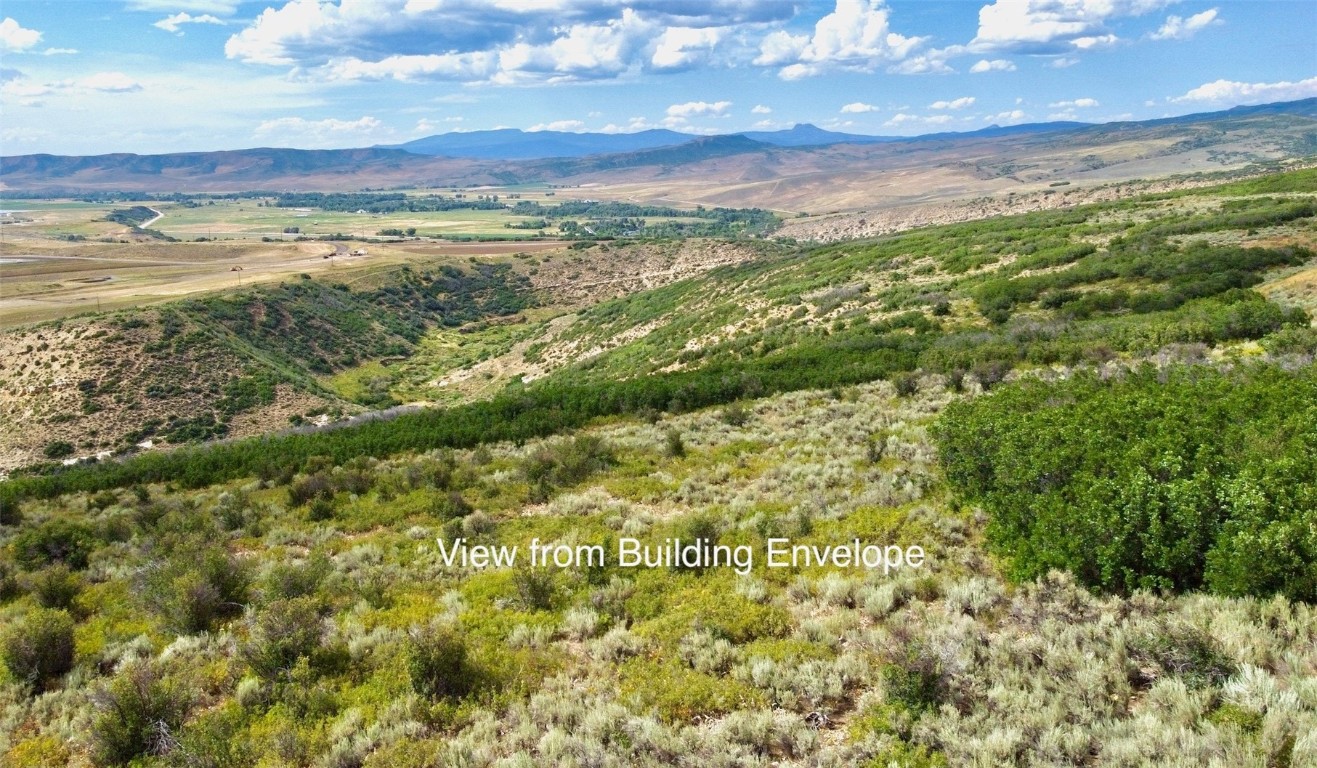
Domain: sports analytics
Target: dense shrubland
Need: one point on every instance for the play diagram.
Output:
(1177, 479)
(231, 625)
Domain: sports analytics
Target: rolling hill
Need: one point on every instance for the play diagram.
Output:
(802, 169)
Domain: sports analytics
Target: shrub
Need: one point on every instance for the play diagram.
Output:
(11, 512)
(314, 486)
(1155, 480)
(58, 449)
(673, 445)
(906, 384)
(567, 462)
(536, 588)
(736, 414)
(39, 647)
(281, 634)
(140, 713)
(437, 664)
(55, 587)
(196, 588)
(55, 541)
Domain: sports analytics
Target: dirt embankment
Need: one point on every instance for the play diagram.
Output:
(102, 385)
(826, 229)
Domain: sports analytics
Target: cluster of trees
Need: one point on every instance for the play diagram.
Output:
(1181, 479)
(613, 219)
(385, 202)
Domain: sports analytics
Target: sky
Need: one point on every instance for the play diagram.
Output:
(153, 76)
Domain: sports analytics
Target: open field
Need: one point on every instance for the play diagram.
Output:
(44, 277)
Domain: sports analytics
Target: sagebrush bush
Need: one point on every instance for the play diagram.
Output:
(139, 713)
(437, 664)
(39, 647)
(282, 633)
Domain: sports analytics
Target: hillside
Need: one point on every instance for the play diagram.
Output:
(735, 171)
(1035, 489)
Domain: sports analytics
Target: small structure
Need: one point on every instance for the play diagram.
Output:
(359, 252)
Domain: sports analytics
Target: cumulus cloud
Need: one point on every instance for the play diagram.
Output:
(858, 107)
(573, 126)
(1080, 103)
(699, 109)
(173, 23)
(1233, 92)
(760, 109)
(855, 36)
(1177, 28)
(903, 119)
(1006, 118)
(1061, 62)
(632, 126)
(496, 41)
(931, 63)
(317, 133)
(110, 82)
(1053, 26)
(992, 65)
(961, 103)
(683, 47)
(14, 38)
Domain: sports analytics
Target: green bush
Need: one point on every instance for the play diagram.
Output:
(1173, 479)
(39, 647)
(437, 664)
(197, 587)
(282, 633)
(55, 586)
(55, 541)
(140, 713)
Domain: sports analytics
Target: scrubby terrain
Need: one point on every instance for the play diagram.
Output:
(1097, 423)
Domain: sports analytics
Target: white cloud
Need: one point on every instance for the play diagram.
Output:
(110, 82)
(1232, 92)
(961, 103)
(1080, 103)
(992, 65)
(858, 107)
(902, 119)
(1053, 26)
(698, 108)
(59, 51)
(1061, 62)
(1094, 41)
(1177, 28)
(224, 7)
(854, 36)
(172, 23)
(931, 63)
(22, 88)
(506, 42)
(633, 125)
(1006, 118)
(572, 126)
(760, 109)
(682, 47)
(297, 131)
(15, 38)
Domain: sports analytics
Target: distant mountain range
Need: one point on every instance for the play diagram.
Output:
(1246, 134)
(515, 144)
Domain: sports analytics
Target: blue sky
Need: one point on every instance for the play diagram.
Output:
(152, 76)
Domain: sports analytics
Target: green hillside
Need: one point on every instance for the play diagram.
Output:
(1092, 425)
